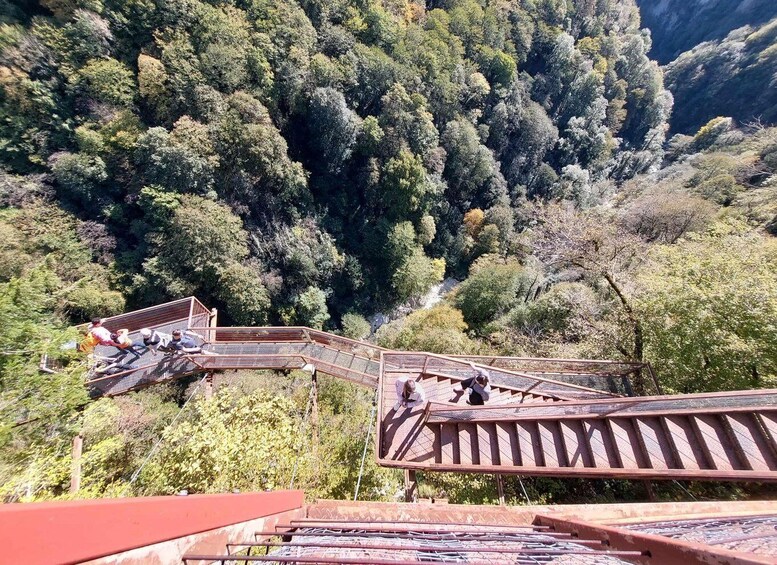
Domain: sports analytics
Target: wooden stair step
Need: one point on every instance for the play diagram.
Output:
(659, 453)
(449, 444)
(552, 444)
(752, 441)
(529, 444)
(507, 437)
(603, 451)
(627, 443)
(689, 453)
(715, 442)
(488, 444)
(468, 444)
(578, 452)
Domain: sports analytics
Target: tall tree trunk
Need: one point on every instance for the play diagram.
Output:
(636, 328)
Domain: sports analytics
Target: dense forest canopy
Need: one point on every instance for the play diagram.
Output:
(320, 155)
(314, 162)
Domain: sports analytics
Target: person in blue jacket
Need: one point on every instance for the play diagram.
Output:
(183, 342)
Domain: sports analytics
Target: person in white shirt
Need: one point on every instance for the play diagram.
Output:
(101, 333)
(409, 393)
(154, 340)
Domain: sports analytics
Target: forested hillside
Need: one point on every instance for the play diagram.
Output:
(679, 25)
(732, 77)
(315, 162)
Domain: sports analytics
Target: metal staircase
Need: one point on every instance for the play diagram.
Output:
(702, 436)
(554, 417)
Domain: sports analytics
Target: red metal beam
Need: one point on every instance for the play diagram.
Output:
(71, 532)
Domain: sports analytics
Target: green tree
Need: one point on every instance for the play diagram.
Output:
(201, 237)
(44, 403)
(416, 275)
(492, 289)
(107, 80)
(355, 326)
(440, 329)
(311, 309)
(80, 176)
(244, 295)
(334, 127)
(170, 161)
(405, 189)
(232, 442)
(708, 304)
(471, 171)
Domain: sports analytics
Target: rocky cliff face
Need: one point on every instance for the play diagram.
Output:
(679, 25)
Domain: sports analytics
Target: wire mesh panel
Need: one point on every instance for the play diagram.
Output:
(164, 370)
(746, 534)
(406, 545)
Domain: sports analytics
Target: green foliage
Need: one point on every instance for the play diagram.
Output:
(177, 163)
(244, 442)
(46, 402)
(86, 302)
(311, 309)
(244, 295)
(440, 329)
(417, 274)
(492, 289)
(80, 175)
(708, 303)
(355, 326)
(106, 80)
(202, 235)
(404, 186)
(317, 125)
(725, 77)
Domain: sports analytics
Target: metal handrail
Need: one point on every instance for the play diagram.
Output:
(617, 407)
(505, 371)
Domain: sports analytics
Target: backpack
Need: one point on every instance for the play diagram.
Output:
(89, 342)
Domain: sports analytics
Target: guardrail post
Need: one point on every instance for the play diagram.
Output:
(411, 486)
(314, 416)
(213, 322)
(500, 489)
(208, 386)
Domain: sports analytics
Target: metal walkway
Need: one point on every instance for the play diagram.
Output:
(550, 539)
(545, 417)
(380, 543)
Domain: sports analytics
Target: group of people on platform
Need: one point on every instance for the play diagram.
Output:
(477, 388)
(176, 342)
